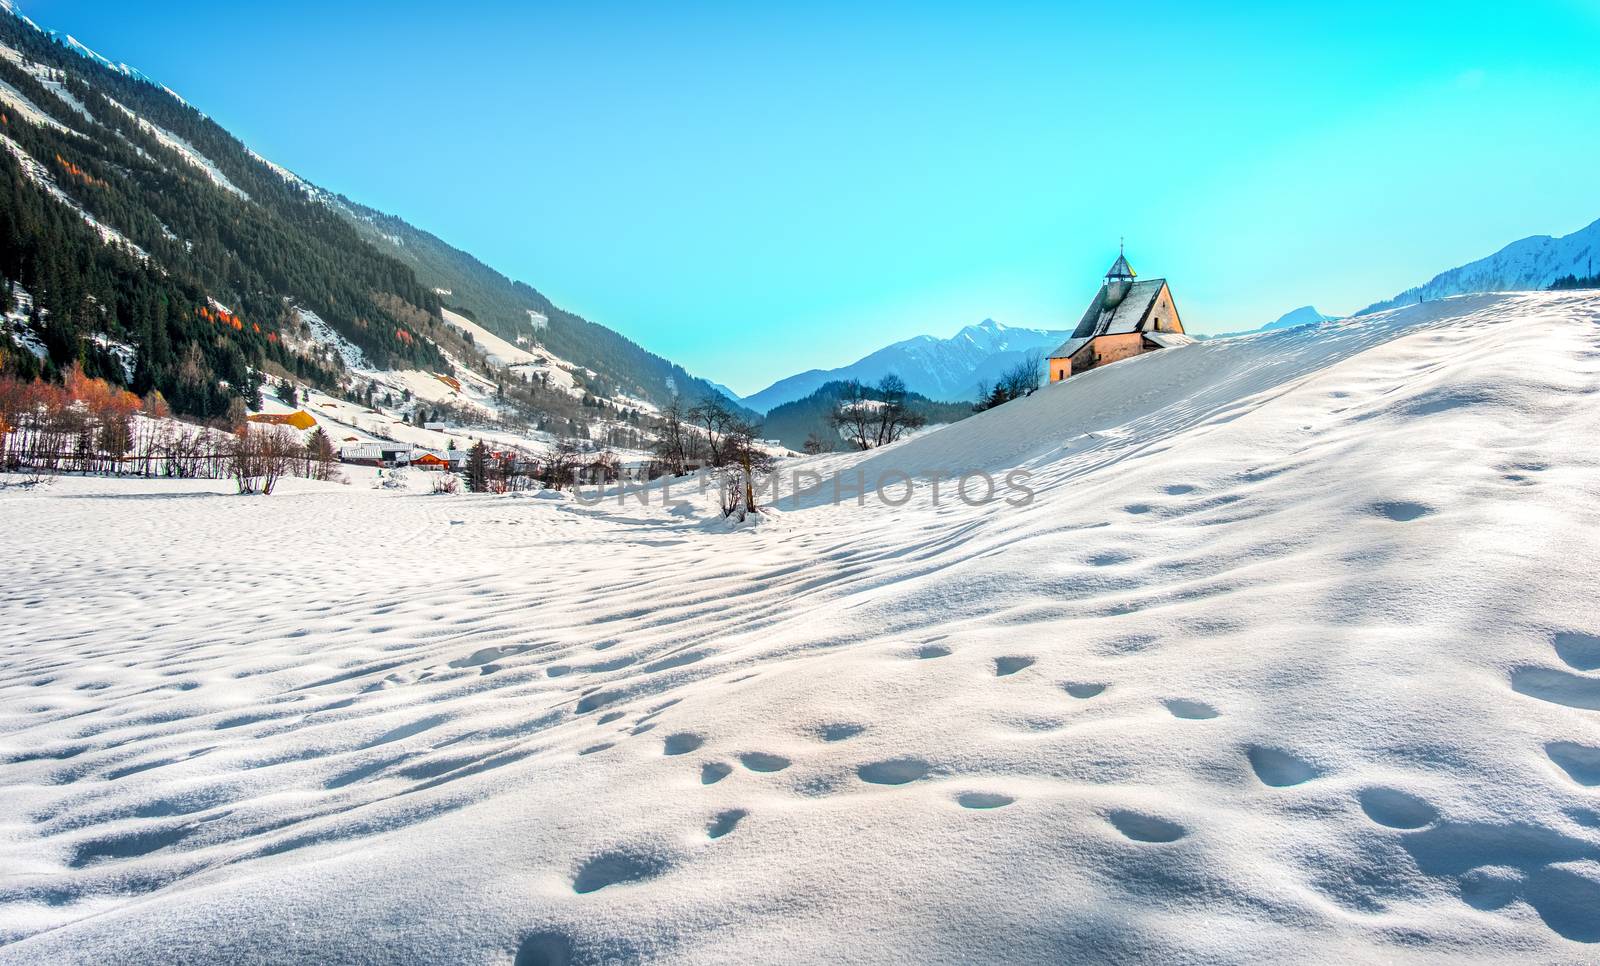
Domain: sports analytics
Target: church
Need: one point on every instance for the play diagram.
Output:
(1126, 318)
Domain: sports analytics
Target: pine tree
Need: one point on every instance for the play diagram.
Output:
(478, 468)
(320, 449)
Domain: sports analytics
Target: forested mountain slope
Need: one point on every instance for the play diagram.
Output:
(513, 308)
(143, 242)
(128, 217)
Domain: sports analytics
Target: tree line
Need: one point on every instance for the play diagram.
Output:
(87, 425)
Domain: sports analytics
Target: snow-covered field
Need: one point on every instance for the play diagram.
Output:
(1294, 657)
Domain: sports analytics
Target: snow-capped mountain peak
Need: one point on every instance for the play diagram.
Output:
(942, 369)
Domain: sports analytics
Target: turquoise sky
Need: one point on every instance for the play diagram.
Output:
(753, 191)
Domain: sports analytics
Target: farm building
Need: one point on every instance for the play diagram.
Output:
(376, 454)
(299, 419)
(1126, 318)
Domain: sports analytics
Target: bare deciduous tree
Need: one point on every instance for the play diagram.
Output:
(671, 448)
(853, 417)
(1022, 379)
(716, 420)
(260, 456)
(869, 418)
(746, 460)
(561, 464)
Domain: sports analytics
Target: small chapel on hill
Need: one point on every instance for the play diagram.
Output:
(1126, 318)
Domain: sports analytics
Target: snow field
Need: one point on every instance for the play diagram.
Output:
(1294, 656)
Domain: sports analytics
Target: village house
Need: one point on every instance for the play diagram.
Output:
(1126, 318)
(431, 459)
(376, 454)
(635, 470)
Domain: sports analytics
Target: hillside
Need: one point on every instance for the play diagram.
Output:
(127, 218)
(1293, 649)
(1532, 263)
(511, 309)
(792, 423)
(947, 370)
(141, 241)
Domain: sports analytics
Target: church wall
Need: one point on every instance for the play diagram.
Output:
(1108, 348)
(1164, 314)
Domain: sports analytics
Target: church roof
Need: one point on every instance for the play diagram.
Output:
(1121, 269)
(1121, 319)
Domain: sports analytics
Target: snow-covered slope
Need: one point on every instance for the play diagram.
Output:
(943, 369)
(1532, 263)
(1295, 655)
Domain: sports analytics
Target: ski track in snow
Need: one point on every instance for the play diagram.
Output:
(1295, 655)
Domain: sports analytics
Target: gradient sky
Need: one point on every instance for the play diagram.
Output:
(754, 191)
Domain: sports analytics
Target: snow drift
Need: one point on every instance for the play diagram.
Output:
(1295, 655)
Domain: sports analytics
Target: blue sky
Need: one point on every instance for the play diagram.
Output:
(752, 191)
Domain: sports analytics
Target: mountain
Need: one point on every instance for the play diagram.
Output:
(513, 309)
(1304, 315)
(144, 243)
(1532, 263)
(727, 393)
(944, 369)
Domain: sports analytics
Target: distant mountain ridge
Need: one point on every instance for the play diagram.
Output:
(947, 370)
(1304, 315)
(1531, 263)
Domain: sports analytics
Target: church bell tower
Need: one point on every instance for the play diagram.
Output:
(1118, 280)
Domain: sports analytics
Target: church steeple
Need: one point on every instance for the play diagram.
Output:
(1118, 280)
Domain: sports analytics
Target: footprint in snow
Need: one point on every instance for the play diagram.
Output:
(838, 732)
(1395, 808)
(1401, 511)
(1193, 710)
(1279, 768)
(897, 771)
(983, 800)
(681, 744)
(1580, 651)
(1580, 762)
(1557, 687)
(763, 762)
(1084, 691)
(614, 868)
(725, 822)
(1004, 666)
(1146, 828)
